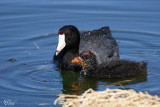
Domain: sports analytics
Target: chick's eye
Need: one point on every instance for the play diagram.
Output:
(69, 35)
(83, 57)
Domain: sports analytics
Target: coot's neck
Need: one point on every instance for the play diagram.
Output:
(74, 50)
(68, 54)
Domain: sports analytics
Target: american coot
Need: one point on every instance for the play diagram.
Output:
(71, 43)
(113, 69)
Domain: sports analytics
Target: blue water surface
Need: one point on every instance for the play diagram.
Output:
(28, 33)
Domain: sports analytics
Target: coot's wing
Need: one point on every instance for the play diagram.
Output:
(101, 43)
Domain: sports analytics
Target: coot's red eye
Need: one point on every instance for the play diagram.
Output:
(69, 35)
(61, 33)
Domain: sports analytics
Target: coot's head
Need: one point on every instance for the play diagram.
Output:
(69, 38)
(87, 60)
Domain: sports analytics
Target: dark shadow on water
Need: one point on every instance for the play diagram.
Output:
(75, 84)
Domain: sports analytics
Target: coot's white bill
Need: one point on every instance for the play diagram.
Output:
(61, 43)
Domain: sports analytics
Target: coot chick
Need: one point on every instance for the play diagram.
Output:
(114, 69)
(71, 43)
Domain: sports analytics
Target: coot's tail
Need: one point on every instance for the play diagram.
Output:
(105, 30)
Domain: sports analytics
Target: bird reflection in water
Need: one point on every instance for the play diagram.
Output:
(75, 84)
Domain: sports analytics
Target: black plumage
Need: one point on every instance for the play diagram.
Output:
(98, 41)
(113, 69)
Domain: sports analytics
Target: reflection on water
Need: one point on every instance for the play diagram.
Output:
(75, 84)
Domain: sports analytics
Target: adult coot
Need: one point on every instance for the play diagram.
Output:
(71, 43)
(113, 69)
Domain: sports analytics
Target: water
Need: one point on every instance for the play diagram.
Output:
(28, 32)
